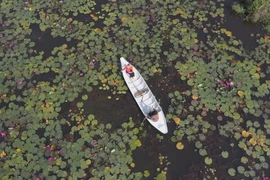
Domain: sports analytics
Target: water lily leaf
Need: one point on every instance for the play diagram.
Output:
(236, 115)
(241, 93)
(198, 144)
(88, 161)
(245, 133)
(225, 154)
(262, 158)
(94, 122)
(80, 104)
(257, 75)
(161, 176)
(80, 173)
(91, 117)
(231, 172)
(108, 126)
(244, 160)
(257, 166)
(146, 173)
(138, 143)
(241, 144)
(180, 146)
(62, 173)
(132, 165)
(208, 160)
(252, 173)
(58, 162)
(264, 165)
(202, 152)
(42, 96)
(24, 135)
(135, 130)
(124, 125)
(3, 154)
(241, 169)
(85, 97)
(177, 120)
(107, 169)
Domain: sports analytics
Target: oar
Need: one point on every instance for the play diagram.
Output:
(144, 119)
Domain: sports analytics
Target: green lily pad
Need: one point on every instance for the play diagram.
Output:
(85, 97)
(231, 172)
(208, 160)
(241, 169)
(161, 176)
(225, 154)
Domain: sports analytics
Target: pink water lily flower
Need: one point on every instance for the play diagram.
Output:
(50, 159)
(20, 82)
(94, 142)
(3, 134)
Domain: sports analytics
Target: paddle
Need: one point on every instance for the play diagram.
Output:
(143, 119)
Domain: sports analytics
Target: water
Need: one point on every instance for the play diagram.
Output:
(117, 112)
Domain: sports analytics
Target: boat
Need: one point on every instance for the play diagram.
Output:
(144, 97)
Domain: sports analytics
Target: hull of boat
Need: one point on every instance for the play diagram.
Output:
(144, 97)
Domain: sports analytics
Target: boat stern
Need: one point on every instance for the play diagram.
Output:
(161, 124)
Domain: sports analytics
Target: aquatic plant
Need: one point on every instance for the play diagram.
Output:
(74, 157)
(238, 8)
(256, 11)
(176, 105)
(224, 84)
(47, 130)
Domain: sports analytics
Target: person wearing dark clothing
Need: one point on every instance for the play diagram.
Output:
(153, 115)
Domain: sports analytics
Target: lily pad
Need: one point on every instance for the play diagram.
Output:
(231, 172)
(161, 176)
(225, 154)
(180, 146)
(208, 160)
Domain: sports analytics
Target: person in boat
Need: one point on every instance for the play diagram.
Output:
(129, 70)
(153, 115)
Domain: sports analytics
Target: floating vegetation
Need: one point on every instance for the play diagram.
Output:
(56, 56)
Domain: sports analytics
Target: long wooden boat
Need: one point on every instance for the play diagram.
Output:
(144, 97)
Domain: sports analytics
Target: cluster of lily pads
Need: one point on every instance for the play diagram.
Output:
(227, 81)
(45, 129)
